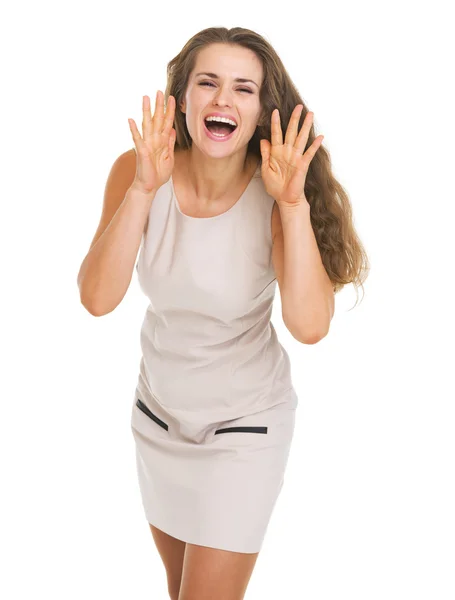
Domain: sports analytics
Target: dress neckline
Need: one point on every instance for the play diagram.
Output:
(226, 212)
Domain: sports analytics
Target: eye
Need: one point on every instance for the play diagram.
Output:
(240, 90)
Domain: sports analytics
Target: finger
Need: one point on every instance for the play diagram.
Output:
(309, 154)
(172, 138)
(302, 138)
(291, 132)
(139, 142)
(170, 113)
(146, 118)
(158, 117)
(276, 133)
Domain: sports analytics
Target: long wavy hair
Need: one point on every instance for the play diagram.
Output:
(342, 252)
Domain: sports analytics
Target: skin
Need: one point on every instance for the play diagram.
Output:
(210, 167)
(203, 178)
(203, 573)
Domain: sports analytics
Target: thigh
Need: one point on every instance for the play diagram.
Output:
(172, 552)
(210, 573)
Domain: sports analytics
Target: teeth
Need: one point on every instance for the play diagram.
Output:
(222, 120)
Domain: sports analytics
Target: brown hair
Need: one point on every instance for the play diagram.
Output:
(342, 252)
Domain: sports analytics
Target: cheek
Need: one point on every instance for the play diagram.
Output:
(195, 108)
(253, 123)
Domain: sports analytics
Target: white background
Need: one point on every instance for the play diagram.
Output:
(367, 508)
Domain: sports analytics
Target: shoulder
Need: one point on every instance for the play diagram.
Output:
(128, 159)
(123, 169)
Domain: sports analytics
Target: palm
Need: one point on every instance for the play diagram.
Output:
(284, 167)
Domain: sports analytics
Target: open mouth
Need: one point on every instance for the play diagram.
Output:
(219, 130)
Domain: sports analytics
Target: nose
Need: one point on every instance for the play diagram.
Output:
(223, 97)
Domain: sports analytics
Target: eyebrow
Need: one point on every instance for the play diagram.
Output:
(239, 79)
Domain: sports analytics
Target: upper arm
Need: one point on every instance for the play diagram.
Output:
(120, 178)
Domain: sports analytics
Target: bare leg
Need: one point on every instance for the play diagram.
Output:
(210, 573)
(172, 552)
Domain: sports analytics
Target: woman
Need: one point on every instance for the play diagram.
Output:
(226, 214)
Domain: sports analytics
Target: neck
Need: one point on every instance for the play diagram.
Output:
(211, 179)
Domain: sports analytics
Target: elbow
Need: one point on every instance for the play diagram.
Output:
(92, 303)
(90, 306)
(310, 331)
(95, 313)
(306, 335)
(96, 310)
(92, 309)
(309, 338)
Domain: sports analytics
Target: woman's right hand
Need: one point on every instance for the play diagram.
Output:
(155, 150)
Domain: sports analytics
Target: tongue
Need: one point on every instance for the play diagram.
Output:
(219, 128)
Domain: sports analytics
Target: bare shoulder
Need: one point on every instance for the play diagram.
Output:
(128, 160)
(121, 176)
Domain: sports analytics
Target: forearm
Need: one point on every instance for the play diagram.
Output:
(307, 294)
(106, 271)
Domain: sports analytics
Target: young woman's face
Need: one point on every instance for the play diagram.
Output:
(239, 100)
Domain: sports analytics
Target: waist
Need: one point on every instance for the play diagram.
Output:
(251, 370)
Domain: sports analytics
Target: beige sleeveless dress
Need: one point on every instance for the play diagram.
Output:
(214, 408)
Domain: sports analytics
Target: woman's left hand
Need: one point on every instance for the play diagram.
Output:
(284, 167)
